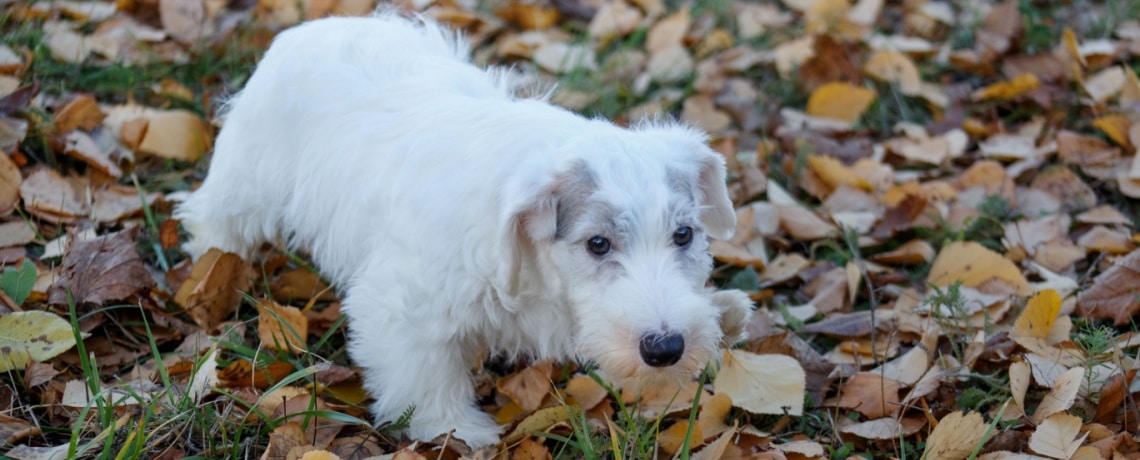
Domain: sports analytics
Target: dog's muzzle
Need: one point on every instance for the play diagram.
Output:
(662, 350)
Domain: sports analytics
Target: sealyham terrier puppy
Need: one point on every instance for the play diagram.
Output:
(458, 218)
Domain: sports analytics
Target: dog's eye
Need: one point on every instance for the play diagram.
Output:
(598, 245)
(683, 236)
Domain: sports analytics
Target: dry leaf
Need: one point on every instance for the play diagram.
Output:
(834, 173)
(885, 428)
(762, 384)
(1112, 294)
(103, 269)
(1061, 396)
(1006, 90)
(586, 392)
(281, 328)
(213, 290)
(10, 185)
(174, 134)
(974, 265)
(840, 101)
(528, 387)
(672, 438)
(869, 394)
(1057, 436)
(1040, 313)
(894, 67)
(955, 436)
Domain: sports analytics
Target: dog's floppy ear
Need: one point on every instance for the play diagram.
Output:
(717, 213)
(528, 213)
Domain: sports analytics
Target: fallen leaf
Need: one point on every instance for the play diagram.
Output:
(955, 437)
(32, 335)
(175, 134)
(585, 391)
(840, 101)
(869, 394)
(672, 438)
(974, 265)
(13, 429)
(1106, 83)
(762, 384)
(885, 428)
(52, 197)
(1058, 436)
(1039, 314)
(894, 67)
(213, 291)
(538, 421)
(528, 387)
(1006, 90)
(1112, 294)
(1116, 127)
(10, 185)
(529, 449)
(1061, 396)
(834, 173)
(281, 328)
(80, 112)
(100, 270)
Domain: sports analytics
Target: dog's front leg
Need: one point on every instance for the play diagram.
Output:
(408, 363)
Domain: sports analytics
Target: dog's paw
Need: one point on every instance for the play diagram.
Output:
(481, 432)
(735, 309)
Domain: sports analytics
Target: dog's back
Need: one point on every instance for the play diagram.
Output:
(353, 99)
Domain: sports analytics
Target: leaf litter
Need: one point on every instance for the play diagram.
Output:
(936, 225)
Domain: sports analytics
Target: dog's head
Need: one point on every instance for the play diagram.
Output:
(623, 226)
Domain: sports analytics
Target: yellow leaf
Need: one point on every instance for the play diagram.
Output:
(319, 455)
(1073, 47)
(834, 173)
(955, 436)
(1116, 127)
(175, 134)
(673, 438)
(974, 265)
(585, 392)
(538, 421)
(32, 335)
(1039, 315)
(713, 413)
(281, 328)
(840, 101)
(1057, 436)
(891, 66)
(762, 384)
(1004, 90)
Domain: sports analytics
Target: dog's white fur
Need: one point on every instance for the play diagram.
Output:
(454, 215)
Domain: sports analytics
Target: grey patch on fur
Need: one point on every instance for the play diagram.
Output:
(572, 195)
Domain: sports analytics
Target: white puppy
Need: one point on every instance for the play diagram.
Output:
(458, 218)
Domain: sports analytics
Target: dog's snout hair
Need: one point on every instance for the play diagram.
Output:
(458, 218)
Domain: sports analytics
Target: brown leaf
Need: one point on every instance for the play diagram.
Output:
(52, 197)
(10, 182)
(528, 387)
(529, 449)
(13, 429)
(1113, 292)
(869, 394)
(81, 112)
(840, 101)
(241, 373)
(104, 269)
(281, 327)
(213, 291)
(586, 392)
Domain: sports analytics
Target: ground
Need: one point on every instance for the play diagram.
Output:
(937, 206)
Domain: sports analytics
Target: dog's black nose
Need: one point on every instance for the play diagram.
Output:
(662, 350)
